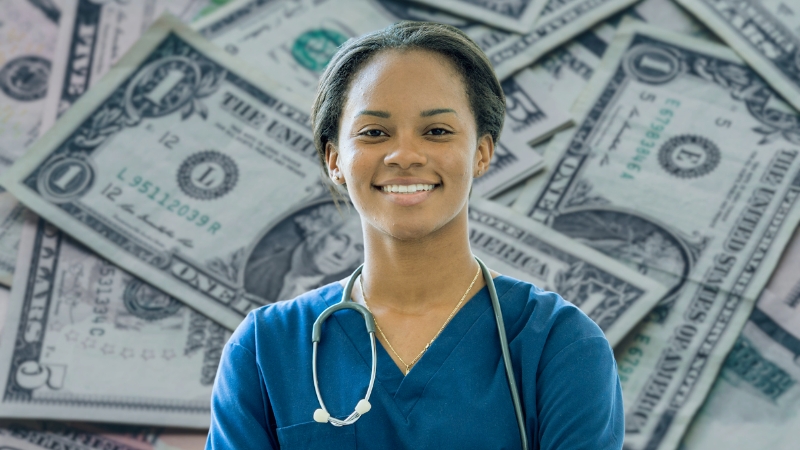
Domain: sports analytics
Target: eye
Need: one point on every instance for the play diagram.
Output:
(439, 132)
(373, 133)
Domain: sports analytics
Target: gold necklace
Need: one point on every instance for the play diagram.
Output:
(453, 313)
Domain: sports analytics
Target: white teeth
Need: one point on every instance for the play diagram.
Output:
(407, 189)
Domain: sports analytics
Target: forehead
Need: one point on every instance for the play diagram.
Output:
(409, 77)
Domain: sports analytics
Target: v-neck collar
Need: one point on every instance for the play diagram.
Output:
(406, 390)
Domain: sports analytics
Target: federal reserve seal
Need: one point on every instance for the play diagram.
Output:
(315, 48)
(689, 156)
(207, 175)
(147, 302)
(25, 78)
(652, 64)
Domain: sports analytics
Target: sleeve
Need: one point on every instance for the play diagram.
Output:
(239, 404)
(580, 398)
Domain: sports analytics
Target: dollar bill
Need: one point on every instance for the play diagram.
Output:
(755, 402)
(21, 435)
(173, 166)
(765, 33)
(27, 45)
(517, 16)
(94, 35)
(681, 167)
(84, 340)
(614, 296)
(11, 220)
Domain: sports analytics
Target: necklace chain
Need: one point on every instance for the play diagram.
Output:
(453, 313)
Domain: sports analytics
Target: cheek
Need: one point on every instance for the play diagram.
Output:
(458, 164)
(359, 169)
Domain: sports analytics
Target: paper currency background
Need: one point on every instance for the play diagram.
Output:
(649, 171)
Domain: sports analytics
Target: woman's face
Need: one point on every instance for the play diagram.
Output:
(408, 147)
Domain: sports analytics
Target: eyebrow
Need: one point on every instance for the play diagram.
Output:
(368, 112)
(433, 112)
(426, 113)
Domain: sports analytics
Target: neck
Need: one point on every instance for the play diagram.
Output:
(413, 276)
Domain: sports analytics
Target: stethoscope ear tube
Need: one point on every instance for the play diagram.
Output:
(316, 333)
(501, 332)
(346, 303)
(363, 406)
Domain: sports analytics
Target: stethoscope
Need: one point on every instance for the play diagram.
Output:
(322, 415)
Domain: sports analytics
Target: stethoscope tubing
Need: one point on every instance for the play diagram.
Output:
(501, 332)
(322, 415)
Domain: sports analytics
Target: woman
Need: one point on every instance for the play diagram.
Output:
(405, 119)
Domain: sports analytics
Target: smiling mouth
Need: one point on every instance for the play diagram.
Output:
(407, 189)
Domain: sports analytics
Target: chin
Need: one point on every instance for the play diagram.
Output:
(412, 232)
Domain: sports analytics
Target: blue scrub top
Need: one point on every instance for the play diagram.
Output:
(455, 397)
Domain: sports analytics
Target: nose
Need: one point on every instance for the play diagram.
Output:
(406, 153)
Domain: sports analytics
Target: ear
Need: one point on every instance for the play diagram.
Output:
(483, 155)
(332, 160)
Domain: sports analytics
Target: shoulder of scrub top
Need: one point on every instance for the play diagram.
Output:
(288, 319)
(540, 322)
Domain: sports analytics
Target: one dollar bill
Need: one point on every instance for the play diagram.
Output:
(677, 168)
(173, 166)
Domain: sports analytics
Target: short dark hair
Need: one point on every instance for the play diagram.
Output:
(484, 92)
